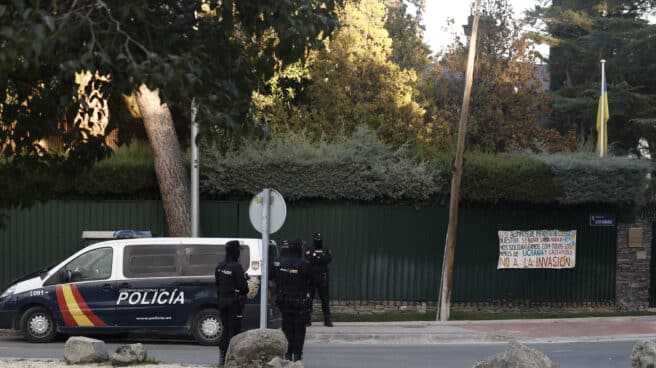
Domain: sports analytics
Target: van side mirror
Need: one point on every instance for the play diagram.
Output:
(65, 275)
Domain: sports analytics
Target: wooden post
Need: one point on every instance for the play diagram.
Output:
(450, 245)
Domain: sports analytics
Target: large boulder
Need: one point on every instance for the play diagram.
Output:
(129, 355)
(278, 362)
(79, 349)
(255, 348)
(644, 354)
(517, 355)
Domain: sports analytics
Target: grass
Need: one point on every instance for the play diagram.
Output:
(378, 317)
(471, 316)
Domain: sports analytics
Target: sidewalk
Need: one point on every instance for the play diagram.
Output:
(464, 332)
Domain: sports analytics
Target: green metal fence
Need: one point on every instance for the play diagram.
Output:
(381, 252)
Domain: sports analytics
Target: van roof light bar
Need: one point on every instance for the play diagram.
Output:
(118, 234)
(128, 234)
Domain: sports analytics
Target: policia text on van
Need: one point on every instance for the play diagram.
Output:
(147, 284)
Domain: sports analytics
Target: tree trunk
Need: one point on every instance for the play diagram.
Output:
(169, 165)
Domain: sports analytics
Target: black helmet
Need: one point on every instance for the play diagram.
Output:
(232, 250)
(296, 247)
(316, 240)
(284, 248)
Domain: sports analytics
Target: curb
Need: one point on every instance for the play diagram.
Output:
(9, 333)
(454, 339)
(401, 339)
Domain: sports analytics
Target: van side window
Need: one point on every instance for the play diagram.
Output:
(93, 265)
(150, 261)
(201, 259)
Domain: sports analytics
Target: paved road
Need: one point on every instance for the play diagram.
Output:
(568, 355)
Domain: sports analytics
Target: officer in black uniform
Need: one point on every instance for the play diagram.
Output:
(284, 252)
(231, 289)
(319, 258)
(293, 282)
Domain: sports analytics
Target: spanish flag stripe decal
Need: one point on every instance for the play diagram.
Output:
(80, 318)
(85, 308)
(63, 308)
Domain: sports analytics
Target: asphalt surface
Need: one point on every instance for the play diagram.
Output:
(568, 355)
(579, 342)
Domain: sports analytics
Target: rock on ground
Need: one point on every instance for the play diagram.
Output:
(62, 364)
(518, 355)
(644, 354)
(129, 354)
(255, 348)
(79, 349)
(277, 362)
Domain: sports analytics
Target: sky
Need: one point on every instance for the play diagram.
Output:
(438, 11)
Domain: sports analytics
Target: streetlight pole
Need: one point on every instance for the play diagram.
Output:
(450, 245)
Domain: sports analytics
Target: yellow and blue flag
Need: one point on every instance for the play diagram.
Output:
(602, 110)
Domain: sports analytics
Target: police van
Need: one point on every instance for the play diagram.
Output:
(133, 285)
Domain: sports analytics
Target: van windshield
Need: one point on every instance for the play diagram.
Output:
(41, 273)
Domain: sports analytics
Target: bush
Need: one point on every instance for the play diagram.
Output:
(360, 168)
(586, 178)
(129, 171)
(364, 169)
(489, 179)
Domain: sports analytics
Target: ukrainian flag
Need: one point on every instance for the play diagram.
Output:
(602, 117)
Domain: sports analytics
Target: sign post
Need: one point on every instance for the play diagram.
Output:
(267, 213)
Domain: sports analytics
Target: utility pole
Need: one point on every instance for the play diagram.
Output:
(450, 245)
(195, 162)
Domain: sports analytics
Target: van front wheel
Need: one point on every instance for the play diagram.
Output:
(37, 325)
(206, 327)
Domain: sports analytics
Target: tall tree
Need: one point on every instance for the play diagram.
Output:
(409, 51)
(350, 82)
(162, 54)
(581, 33)
(508, 100)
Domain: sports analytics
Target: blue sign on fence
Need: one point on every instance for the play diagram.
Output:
(602, 220)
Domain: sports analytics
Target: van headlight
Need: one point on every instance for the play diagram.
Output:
(9, 291)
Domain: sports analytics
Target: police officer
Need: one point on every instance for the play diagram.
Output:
(319, 258)
(293, 281)
(231, 289)
(284, 252)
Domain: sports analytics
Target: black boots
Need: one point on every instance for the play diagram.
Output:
(222, 356)
(327, 322)
(293, 357)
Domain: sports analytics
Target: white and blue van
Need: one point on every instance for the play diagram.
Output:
(133, 285)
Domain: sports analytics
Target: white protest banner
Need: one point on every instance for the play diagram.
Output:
(537, 249)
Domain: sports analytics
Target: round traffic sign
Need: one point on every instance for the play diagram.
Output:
(277, 211)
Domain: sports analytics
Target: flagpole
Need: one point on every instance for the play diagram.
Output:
(603, 140)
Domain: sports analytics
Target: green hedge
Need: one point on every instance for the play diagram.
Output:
(129, 171)
(362, 168)
(585, 178)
